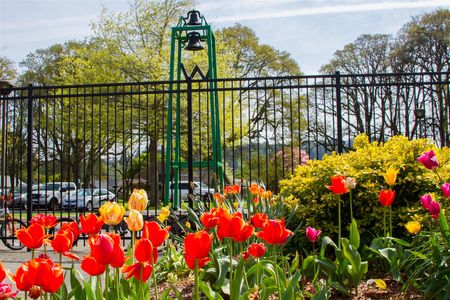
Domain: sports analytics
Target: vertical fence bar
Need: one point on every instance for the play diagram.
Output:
(189, 139)
(29, 152)
(339, 112)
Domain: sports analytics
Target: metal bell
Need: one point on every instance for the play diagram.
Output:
(193, 43)
(194, 18)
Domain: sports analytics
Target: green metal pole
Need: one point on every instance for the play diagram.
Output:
(169, 124)
(176, 196)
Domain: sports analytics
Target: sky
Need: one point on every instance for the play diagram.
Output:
(310, 30)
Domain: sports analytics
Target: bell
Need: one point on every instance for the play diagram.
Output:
(193, 18)
(194, 43)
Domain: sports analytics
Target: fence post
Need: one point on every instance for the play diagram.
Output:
(190, 142)
(29, 153)
(340, 147)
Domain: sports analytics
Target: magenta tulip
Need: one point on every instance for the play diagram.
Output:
(434, 209)
(445, 188)
(429, 160)
(426, 200)
(312, 234)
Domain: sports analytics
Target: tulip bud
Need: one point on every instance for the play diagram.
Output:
(445, 188)
(413, 227)
(429, 160)
(138, 200)
(112, 213)
(135, 221)
(312, 234)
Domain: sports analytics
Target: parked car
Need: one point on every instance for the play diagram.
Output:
(87, 199)
(51, 194)
(200, 189)
(20, 196)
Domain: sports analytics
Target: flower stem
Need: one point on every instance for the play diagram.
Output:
(384, 221)
(230, 246)
(118, 282)
(351, 206)
(155, 284)
(277, 279)
(197, 290)
(390, 221)
(339, 219)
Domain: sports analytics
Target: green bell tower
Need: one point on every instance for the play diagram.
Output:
(188, 35)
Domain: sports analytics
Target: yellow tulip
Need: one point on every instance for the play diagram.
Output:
(188, 225)
(162, 218)
(381, 284)
(138, 200)
(413, 227)
(112, 213)
(266, 195)
(165, 211)
(135, 221)
(390, 176)
(236, 204)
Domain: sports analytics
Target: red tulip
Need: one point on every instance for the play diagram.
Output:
(92, 224)
(209, 220)
(102, 248)
(196, 248)
(274, 232)
(33, 236)
(140, 271)
(92, 267)
(386, 197)
(62, 241)
(338, 185)
(49, 275)
(259, 219)
(2, 272)
(155, 233)
(245, 255)
(23, 278)
(73, 228)
(312, 234)
(257, 250)
(429, 160)
(239, 230)
(47, 221)
(227, 227)
(143, 250)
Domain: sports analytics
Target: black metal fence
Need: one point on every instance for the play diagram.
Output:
(69, 146)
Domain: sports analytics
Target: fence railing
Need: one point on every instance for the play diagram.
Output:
(72, 147)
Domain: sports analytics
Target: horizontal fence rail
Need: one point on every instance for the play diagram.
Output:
(66, 149)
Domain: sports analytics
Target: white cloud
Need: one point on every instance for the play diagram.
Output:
(322, 9)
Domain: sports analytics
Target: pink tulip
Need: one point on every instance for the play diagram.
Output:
(312, 234)
(429, 160)
(434, 209)
(426, 200)
(445, 188)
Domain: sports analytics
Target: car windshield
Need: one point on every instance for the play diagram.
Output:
(50, 186)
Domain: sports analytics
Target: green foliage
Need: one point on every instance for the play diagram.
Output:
(366, 163)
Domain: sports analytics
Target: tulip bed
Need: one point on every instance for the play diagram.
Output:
(228, 252)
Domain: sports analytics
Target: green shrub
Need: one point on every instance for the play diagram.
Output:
(367, 163)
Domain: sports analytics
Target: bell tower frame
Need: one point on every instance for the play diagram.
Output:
(187, 35)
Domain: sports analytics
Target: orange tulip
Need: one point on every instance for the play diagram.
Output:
(259, 219)
(47, 221)
(338, 185)
(62, 241)
(196, 249)
(155, 233)
(140, 271)
(255, 189)
(92, 267)
(138, 200)
(92, 224)
(257, 250)
(33, 236)
(112, 213)
(266, 195)
(209, 220)
(386, 197)
(274, 232)
(135, 221)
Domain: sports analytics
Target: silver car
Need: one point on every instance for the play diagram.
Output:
(87, 199)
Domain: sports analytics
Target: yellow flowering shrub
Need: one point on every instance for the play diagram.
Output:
(367, 163)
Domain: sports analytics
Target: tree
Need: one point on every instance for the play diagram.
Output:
(8, 71)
